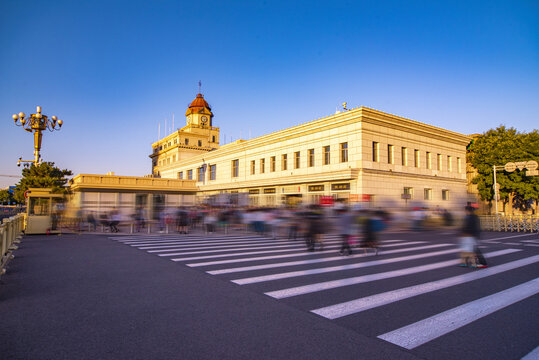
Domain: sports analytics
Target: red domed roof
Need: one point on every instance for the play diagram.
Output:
(199, 102)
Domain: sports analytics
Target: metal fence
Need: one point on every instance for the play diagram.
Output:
(513, 223)
(10, 235)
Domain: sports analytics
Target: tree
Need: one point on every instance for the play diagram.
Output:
(498, 147)
(44, 175)
(5, 197)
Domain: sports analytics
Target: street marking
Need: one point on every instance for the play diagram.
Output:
(531, 244)
(301, 262)
(306, 289)
(370, 302)
(198, 241)
(302, 253)
(256, 253)
(257, 279)
(421, 332)
(212, 244)
(509, 237)
(534, 355)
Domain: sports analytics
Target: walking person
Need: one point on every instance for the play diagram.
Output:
(345, 223)
(471, 230)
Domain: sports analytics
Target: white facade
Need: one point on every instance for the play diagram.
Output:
(364, 161)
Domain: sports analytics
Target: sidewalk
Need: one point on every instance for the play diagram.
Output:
(88, 297)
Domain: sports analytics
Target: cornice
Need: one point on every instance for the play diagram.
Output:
(409, 175)
(341, 175)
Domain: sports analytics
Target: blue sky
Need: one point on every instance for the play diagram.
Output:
(112, 70)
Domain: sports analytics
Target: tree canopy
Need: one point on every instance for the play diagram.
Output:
(44, 175)
(498, 147)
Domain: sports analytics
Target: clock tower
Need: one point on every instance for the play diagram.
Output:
(199, 112)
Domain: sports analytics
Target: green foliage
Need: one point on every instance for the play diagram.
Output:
(5, 197)
(44, 175)
(498, 147)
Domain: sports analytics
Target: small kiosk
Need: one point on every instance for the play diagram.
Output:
(42, 211)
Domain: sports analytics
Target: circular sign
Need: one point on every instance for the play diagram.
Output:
(26, 194)
(510, 167)
(531, 165)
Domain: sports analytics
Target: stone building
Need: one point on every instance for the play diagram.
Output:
(357, 155)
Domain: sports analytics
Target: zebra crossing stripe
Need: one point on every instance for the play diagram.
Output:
(228, 248)
(268, 251)
(190, 258)
(198, 241)
(252, 245)
(211, 244)
(257, 279)
(327, 285)
(508, 237)
(421, 332)
(356, 306)
(534, 355)
(301, 262)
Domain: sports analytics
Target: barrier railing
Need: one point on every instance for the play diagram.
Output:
(10, 235)
(512, 223)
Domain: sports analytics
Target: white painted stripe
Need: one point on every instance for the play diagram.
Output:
(213, 239)
(534, 355)
(301, 262)
(286, 275)
(256, 253)
(306, 289)
(239, 247)
(213, 244)
(370, 302)
(198, 241)
(254, 245)
(513, 244)
(510, 237)
(235, 249)
(532, 241)
(421, 332)
(268, 251)
(532, 244)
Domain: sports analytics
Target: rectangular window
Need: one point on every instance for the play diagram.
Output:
(213, 138)
(449, 163)
(186, 141)
(409, 192)
(439, 162)
(180, 175)
(284, 162)
(375, 151)
(327, 154)
(213, 172)
(199, 142)
(296, 160)
(404, 156)
(235, 168)
(458, 165)
(344, 152)
(311, 157)
(428, 194)
(390, 150)
(253, 167)
(200, 174)
(190, 174)
(173, 158)
(416, 158)
(272, 164)
(445, 194)
(428, 159)
(262, 166)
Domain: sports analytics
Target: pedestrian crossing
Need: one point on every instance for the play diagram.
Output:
(349, 288)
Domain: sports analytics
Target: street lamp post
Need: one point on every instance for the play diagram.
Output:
(36, 123)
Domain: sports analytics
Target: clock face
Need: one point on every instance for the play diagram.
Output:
(204, 119)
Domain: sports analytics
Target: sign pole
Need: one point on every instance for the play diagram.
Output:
(495, 188)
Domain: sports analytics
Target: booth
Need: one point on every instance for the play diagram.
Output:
(42, 211)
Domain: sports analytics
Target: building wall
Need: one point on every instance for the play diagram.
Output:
(359, 174)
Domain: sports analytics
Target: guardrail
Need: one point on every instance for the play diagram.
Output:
(512, 223)
(10, 235)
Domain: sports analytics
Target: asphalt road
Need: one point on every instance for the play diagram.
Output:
(242, 297)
